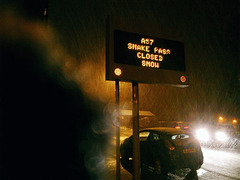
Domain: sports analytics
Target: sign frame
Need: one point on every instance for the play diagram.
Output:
(131, 73)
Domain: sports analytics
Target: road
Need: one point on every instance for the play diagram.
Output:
(219, 164)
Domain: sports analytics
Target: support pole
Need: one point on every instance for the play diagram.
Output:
(136, 144)
(118, 173)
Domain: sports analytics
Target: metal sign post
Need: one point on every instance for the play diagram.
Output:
(136, 144)
(118, 173)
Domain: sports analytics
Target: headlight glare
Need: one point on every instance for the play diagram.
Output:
(202, 135)
(221, 136)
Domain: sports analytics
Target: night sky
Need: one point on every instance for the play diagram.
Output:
(208, 29)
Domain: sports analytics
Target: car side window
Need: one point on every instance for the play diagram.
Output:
(143, 136)
(155, 137)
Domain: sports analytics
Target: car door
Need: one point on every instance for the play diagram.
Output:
(151, 147)
(144, 146)
(152, 154)
(157, 146)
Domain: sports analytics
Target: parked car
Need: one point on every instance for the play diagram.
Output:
(163, 150)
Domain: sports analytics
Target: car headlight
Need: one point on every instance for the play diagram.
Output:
(221, 136)
(202, 135)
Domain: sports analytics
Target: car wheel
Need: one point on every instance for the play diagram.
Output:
(192, 175)
(160, 172)
(153, 173)
(158, 168)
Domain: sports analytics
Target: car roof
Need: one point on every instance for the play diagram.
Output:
(166, 130)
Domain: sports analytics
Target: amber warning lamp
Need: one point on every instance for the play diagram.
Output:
(117, 72)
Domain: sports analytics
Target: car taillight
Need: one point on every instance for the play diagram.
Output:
(177, 127)
(185, 127)
(169, 145)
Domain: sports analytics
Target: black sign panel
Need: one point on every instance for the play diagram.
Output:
(146, 51)
(135, 56)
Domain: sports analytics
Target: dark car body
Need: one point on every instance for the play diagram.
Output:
(166, 148)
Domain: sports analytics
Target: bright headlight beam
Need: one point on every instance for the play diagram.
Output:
(202, 135)
(221, 136)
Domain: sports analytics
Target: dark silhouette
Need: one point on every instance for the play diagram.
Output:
(49, 128)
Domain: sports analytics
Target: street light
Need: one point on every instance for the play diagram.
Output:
(234, 121)
(220, 119)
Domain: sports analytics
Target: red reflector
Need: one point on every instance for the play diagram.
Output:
(177, 127)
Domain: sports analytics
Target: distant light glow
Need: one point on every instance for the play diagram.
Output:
(234, 121)
(118, 72)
